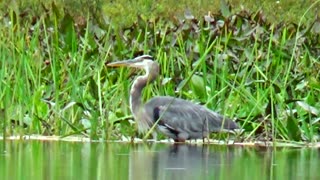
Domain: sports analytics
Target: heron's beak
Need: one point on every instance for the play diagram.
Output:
(122, 63)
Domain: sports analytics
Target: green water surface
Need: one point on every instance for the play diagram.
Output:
(83, 160)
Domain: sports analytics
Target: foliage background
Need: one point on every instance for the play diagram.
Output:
(257, 63)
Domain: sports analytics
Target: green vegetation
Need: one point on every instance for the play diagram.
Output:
(54, 80)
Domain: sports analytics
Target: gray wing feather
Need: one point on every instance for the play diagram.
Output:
(183, 116)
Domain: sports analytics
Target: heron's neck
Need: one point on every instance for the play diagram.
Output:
(136, 91)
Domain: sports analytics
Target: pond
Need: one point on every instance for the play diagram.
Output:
(83, 160)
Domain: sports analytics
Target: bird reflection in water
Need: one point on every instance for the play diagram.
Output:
(179, 161)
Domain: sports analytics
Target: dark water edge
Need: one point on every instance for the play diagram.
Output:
(89, 160)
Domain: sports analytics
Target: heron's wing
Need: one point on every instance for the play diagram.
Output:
(184, 116)
(178, 118)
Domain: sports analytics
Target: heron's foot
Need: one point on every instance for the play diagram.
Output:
(204, 140)
(179, 140)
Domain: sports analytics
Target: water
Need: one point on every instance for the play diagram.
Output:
(67, 160)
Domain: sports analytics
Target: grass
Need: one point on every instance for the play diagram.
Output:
(54, 82)
(275, 11)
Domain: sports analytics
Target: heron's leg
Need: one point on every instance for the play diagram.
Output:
(132, 138)
(205, 135)
(154, 136)
(204, 140)
(208, 139)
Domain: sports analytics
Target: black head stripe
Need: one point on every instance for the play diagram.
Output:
(145, 57)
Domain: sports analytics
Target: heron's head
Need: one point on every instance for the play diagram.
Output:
(142, 62)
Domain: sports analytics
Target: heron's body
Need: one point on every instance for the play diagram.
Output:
(177, 118)
(175, 112)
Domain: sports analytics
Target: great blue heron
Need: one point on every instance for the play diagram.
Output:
(177, 118)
